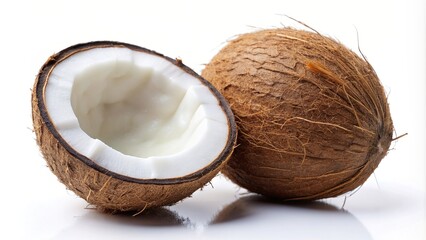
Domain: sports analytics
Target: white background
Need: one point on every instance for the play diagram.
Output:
(390, 205)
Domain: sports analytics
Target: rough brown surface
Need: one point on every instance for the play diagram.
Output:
(106, 190)
(313, 116)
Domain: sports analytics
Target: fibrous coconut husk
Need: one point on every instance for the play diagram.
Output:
(313, 117)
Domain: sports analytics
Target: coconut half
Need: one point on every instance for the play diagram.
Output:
(127, 128)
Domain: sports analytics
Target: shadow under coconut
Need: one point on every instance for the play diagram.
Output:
(157, 217)
(288, 220)
(144, 224)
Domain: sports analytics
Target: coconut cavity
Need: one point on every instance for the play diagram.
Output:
(127, 128)
(140, 112)
(134, 110)
(313, 117)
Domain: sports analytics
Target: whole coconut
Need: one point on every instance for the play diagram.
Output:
(313, 117)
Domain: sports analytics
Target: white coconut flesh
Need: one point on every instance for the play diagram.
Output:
(135, 114)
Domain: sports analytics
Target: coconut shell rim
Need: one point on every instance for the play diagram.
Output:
(54, 60)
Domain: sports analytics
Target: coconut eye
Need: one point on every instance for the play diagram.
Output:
(127, 128)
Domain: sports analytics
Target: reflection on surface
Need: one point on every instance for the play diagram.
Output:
(245, 206)
(223, 213)
(301, 220)
(159, 217)
(111, 226)
(238, 209)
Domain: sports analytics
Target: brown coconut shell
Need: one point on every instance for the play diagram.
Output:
(98, 186)
(313, 117)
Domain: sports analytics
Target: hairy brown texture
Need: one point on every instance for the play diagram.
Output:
(107, 190)
(313, 116)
